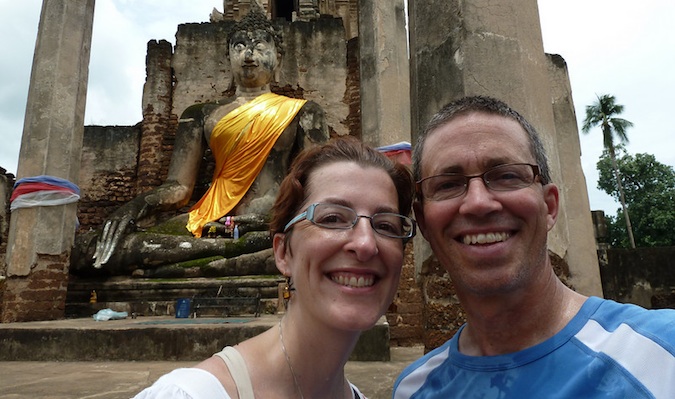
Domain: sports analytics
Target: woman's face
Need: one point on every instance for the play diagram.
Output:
(343, 278)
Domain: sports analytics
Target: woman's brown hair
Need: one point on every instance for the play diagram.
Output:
(293, 190)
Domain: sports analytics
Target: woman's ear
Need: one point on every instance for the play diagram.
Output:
(279, 243)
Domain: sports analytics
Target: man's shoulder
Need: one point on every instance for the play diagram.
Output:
(612, 313)
(418, 371)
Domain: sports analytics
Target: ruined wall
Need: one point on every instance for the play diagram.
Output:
(405, 313)
(304, 10)
(108, 172)
(643, 276)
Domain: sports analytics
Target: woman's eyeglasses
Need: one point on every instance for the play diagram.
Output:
(333, 216)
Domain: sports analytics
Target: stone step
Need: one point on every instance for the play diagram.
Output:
(152, 338)
(158, 297)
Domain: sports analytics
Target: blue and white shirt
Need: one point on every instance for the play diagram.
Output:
(608, 350)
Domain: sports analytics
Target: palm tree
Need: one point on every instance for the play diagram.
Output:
(603, 113)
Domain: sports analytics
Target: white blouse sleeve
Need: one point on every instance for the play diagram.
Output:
(185, 383)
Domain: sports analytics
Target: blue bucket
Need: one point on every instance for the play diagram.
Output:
(183, 308)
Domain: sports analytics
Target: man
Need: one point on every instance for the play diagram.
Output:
(253, 136)
(485, 204)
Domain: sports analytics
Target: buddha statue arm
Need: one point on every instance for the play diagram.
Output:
(312, 125)
(174, 193)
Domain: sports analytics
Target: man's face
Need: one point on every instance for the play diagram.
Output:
(253, 57)
(491, 242)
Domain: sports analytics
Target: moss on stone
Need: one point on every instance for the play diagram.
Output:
(174, 227)
(200, 263)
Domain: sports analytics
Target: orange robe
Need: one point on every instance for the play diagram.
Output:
(241, 142)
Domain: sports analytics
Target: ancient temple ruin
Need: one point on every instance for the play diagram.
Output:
(352, 58)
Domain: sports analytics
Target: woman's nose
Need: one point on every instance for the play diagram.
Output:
(363, 240)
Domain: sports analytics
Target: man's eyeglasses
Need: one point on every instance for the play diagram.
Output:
(332, 216)
(508, 177)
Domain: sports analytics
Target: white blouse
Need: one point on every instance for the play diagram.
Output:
(193, 383)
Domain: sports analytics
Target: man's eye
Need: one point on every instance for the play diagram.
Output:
(508, 175)
(448, 184)
(239, 46)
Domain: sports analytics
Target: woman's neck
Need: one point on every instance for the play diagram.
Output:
(319, 368)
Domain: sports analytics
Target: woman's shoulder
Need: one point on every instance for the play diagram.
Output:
(185, 383)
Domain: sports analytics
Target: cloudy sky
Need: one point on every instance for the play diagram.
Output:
(619, 47)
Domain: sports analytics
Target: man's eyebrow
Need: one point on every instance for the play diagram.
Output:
(451, 169)
(488, 164)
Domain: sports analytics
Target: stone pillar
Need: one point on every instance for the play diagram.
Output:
(495, 48)
(580, 253)
(41, 238)
(385, 86)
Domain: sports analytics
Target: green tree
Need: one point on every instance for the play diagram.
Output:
(604, 113)
(649, 189)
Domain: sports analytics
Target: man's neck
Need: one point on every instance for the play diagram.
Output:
(509, 324)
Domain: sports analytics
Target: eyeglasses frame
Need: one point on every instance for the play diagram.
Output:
(308, 215)
(535, 171)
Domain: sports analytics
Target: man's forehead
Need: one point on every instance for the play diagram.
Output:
(467, 141)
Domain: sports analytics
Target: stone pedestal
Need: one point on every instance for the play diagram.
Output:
(40, 238)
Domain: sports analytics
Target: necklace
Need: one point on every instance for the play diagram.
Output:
(288, 361)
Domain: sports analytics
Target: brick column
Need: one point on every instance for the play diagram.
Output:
(157, 92)
(41, 238)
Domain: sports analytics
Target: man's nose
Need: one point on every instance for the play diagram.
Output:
(478, 199)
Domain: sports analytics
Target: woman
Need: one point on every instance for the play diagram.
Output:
(339, 226)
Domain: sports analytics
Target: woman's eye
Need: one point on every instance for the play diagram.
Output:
(388, 227)
(333, 218)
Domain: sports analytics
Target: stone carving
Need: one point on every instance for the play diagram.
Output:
(253, 136)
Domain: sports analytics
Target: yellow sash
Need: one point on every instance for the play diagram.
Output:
(241, 142)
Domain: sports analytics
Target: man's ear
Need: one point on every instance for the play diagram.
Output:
(552, 200)
(281, 253)
(418, 208)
